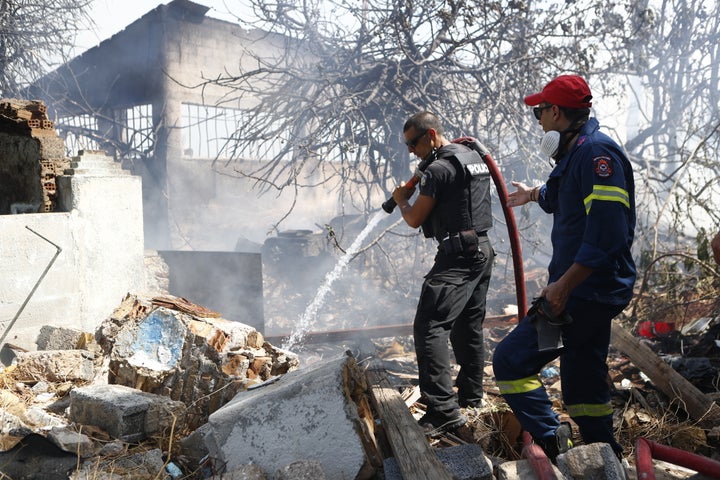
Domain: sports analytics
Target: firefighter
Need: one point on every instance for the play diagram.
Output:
(591, 195)
(452, 206)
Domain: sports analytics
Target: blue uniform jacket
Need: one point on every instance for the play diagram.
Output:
(591, 194)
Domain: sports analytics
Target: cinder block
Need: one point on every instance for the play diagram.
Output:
(126, 413)
(464, 462)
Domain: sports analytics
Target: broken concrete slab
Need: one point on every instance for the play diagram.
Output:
(58, 338)
(140, 466)
(162, 346)
(71, 441)
(520, 470)
(596, 460)
(464, 462)
(311, 414)
(126, 413)
(55, 366)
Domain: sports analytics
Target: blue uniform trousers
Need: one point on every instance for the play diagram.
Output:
(583, 374)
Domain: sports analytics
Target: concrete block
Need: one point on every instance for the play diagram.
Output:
(143, 465)
(596, 461)
(464, 462)
(126, 413)
(520, 470)
(56, 365)
(72, 442)
(305, 414)
(58, 338)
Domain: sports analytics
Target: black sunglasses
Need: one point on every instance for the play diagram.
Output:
(537, 111)
(412, 143)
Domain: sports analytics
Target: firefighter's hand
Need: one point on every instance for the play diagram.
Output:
(557, 296)
(402, 194)
(521, 196)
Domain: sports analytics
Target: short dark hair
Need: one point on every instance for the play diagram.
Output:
(576, 114)
(423, 121)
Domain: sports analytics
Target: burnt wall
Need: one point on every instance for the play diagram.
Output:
(31, 157)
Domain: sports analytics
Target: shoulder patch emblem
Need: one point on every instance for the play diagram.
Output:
(423, 179)
(603, 166)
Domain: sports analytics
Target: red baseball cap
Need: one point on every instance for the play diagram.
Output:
(568, 91)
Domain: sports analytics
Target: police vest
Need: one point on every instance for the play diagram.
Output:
(464, 204)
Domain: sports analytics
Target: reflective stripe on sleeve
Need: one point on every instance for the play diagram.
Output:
(522, 385)
(589, 410)
(607, 193)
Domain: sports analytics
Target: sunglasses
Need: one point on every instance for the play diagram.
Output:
(413, 142)
(537, 111)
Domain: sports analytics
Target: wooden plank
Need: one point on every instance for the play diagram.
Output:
(413, 454)
(699, 406)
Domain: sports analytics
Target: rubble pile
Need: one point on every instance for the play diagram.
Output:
(155, 370)
(168, 389)
(170, 347)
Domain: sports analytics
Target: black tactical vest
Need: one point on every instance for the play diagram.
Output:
(465, 203)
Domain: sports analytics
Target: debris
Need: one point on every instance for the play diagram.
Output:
(697, 405)
(412, 453)
(200, 361)
(314, 413)
(126, 413)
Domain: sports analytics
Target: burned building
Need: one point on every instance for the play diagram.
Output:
(142, 97)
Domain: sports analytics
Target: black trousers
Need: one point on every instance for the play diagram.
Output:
(452, 306)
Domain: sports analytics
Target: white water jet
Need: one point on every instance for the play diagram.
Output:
(308, 317)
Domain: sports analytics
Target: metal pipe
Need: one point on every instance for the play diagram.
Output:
(32, 292)
(380, 331)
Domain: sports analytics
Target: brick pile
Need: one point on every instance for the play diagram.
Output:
(28, 118)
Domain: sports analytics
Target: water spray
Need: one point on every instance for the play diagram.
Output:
(307, 318)
(311, 310)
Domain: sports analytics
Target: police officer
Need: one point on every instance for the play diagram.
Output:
(591, 195)
(452, 206)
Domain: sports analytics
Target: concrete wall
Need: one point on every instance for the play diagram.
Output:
(211, 205)
(100, 259)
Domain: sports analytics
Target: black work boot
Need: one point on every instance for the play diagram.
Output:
(561, 442)
(436, 423)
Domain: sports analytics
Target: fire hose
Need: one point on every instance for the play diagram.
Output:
(646, 450)
(497, 177)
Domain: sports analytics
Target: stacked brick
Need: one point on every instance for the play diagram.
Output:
(28, 118)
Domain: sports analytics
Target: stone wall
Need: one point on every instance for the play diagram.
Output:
(72, 266)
